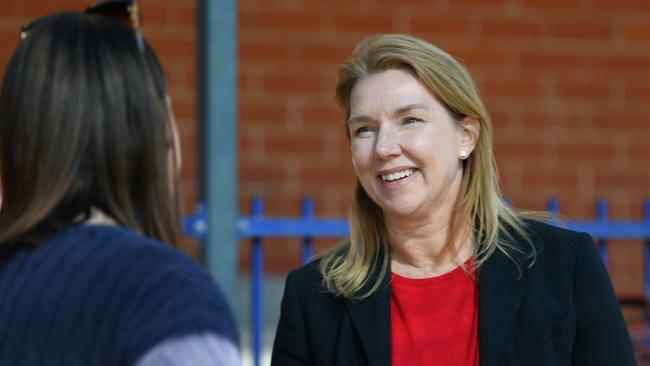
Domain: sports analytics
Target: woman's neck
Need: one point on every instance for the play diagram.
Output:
(420, 247)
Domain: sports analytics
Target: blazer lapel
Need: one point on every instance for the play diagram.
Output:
(500, 293)
(371, 319)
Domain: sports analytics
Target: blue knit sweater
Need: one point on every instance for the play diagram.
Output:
(102, 295)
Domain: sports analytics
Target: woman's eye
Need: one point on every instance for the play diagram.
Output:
(363, 130)
(410, 120)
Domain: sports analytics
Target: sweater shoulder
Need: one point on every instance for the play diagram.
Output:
(152, 291)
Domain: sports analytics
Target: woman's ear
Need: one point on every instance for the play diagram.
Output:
(469, 130)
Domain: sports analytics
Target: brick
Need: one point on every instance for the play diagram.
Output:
(551, 61)
(511, 29)
(331, 115)
(583, 90)
(8, 8)
(521, 150)
(623, 180)
(633, 6)
(621, 63)
(364, 23)
(637, 32)
(638, 92)
(564, 5)
(38, 8)
(188, 16)
(291, 83)
(263, 112)
(481, 57)
(511, 88)
(174, 47)
(260, 173)
(643, 152)
(265, 51)
(616, 121)
(280, 21)
(9, 41)
(586, 152)
(152, 14)
(432, 28)
(481, 3)
(185, 110)
(534, 178)
(328, 54)
(283, 144)
(583, 31)
(554, 118)
(315, 174)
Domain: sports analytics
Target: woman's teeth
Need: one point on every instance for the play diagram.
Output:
(396, 175)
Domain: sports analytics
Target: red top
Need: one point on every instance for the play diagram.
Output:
(434, 321)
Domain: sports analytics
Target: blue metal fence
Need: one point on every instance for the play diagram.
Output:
(257, 227)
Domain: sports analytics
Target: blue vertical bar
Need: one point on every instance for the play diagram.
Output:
(257, 269)
(553, 205)
(218, 77)
(646, 217)
(307, 241)
(602, 216)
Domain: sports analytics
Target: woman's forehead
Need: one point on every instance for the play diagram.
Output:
(390, 91)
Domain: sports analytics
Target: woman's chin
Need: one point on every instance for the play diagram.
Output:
(400, 210)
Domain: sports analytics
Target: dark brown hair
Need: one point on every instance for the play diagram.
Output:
(84, 124)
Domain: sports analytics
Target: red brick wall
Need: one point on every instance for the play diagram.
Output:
(566, 82)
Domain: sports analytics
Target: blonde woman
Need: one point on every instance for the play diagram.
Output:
(438, 270)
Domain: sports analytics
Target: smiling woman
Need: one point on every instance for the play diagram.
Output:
(438, 269)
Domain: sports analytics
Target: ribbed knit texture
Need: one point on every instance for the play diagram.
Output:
(102, 295)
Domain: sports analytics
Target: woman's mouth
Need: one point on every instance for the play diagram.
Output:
(394, 176)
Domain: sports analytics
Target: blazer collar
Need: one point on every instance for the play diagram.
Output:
(371, 319)
(501, 288)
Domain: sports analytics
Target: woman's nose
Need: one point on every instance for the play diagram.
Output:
(387, 144)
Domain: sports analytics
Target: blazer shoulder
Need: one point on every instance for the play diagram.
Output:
(557, 244)
(549, 234)
(307, 278)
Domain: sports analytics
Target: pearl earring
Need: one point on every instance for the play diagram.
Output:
(463, 154)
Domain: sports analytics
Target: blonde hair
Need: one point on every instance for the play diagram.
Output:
(359, 266)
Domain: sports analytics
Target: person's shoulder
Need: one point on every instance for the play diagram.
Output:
(180, 296)
(124, 245)
(552, 240)
(550, 233)
(308, 276)
(144, 268)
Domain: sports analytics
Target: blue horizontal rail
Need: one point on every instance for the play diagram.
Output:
(275, 227)
(306, 227)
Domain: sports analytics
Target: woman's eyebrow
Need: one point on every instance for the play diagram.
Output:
(408, 108)
(398, 112)
(359, 118)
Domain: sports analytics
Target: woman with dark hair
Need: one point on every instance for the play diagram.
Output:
(89, 179)
(438, 269)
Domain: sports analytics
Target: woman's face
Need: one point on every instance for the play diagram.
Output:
(406, 149)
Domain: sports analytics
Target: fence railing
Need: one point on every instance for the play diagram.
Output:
(307, 227)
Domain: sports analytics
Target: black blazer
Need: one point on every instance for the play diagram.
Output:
(561, 311)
